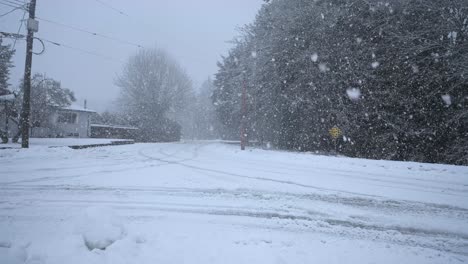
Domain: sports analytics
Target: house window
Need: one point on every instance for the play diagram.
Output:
(67, 118)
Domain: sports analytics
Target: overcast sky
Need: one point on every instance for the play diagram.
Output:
(194, 32)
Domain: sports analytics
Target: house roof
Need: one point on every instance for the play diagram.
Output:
(77, 108)
(114, 126)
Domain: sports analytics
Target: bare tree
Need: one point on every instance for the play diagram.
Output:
(153, 85)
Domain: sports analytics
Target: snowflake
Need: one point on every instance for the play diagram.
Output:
(323, 67)
(353, 93)
(447, 99)
(314, 57)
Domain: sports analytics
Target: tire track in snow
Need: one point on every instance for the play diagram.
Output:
(381, 204)
(379, 177)
(423, 188)
(311, 221)
(287, 182)
(109, 170)
(288, 167)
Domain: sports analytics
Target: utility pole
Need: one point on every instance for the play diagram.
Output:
(243, 119)
(26, 109)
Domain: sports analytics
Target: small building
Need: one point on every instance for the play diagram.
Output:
(113, 131)
(70, 121)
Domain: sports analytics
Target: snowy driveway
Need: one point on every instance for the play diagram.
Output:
(206, 202)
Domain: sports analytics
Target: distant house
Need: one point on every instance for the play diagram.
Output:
(71, 121)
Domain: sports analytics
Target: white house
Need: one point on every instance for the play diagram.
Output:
(71, 121)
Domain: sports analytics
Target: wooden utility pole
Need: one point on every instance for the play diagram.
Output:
(26, 109)
(243, 119)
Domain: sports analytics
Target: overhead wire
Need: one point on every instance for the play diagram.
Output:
(9, 5)
(19, 28)
(18, 1)
(111, 7)
(43, 47)
(90, 32)
(55, 43)
(135, 20)
(80, 50)
(13, 1)
(9, 12)
(17, 4)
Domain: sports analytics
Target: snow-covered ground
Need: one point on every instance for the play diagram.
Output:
(61, 142)
(205, 202)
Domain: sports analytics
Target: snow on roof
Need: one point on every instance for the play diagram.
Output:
(7, 97)
(114, 126)
(78, 108)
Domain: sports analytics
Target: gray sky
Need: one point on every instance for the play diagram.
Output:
(194, 32)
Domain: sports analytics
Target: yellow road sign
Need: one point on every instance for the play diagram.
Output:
(335, 132)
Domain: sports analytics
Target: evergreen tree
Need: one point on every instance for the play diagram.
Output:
(6, 53)
(391, 75)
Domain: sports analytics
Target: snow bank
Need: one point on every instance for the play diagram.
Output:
(100, 228)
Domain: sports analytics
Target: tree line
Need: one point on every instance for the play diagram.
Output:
(156, 96)
(392, 76)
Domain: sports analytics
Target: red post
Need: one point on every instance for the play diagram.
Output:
(243, 119)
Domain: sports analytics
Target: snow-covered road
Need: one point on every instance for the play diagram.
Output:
(207, 202)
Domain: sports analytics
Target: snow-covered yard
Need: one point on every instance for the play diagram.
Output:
(206, 202)
(61, 142)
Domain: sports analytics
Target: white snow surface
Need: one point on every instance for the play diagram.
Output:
(79, 108)
(60, 142)
(207, 202)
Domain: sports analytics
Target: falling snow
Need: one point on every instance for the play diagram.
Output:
(323, 67)
(314, 57)
(447, 99)
(353, 93)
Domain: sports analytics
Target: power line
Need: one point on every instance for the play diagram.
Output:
(14, 9)
(90, 32)
(9, 12)
(19, 29)
(81, 50)
(21, 36)
(111, 7)
(12, 4)
(9, 5)
(137, 21)
(18, 1)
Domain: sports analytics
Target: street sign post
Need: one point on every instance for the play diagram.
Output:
(335, 132)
